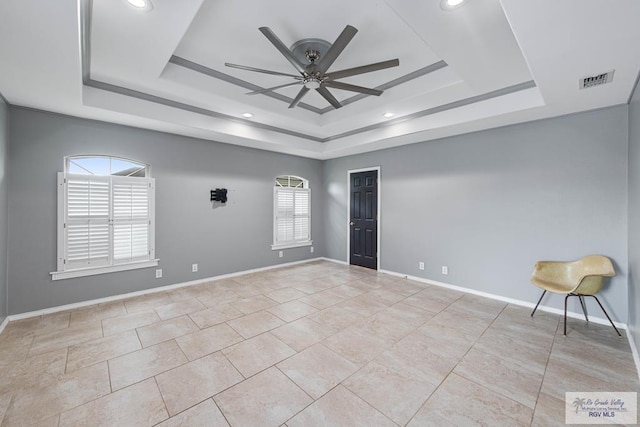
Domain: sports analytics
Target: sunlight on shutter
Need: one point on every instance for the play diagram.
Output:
(130, 219)
(88, 197)
(301, 202)
(302, 214)
(302, 228)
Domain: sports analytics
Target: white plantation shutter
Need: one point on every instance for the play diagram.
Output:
(301, 214)
(284, 215)
(131, 218)
(292, 215)
(107, 220)
(87, 221)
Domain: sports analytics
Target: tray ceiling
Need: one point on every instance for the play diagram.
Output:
(488, 63)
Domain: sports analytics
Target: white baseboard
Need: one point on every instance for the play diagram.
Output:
(4, 324)
(337, 261)
(634, 351)
(81, 304)
(598, 320)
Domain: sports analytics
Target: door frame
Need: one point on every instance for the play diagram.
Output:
(379, 186)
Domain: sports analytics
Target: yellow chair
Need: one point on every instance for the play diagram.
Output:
(581, 278)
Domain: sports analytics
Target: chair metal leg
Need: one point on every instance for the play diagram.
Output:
(534, 310)
(605, 313)
(565, 314)
(584, 308)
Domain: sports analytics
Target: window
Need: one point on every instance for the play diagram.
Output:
(105, 216)
(291, 212)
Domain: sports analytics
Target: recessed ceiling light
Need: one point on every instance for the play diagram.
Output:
(141, 4)
(388, 115)
(451, 4)
(247, 115)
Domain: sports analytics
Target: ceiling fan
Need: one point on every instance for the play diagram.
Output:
(312, 59)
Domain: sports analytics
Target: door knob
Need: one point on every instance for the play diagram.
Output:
(351, 223)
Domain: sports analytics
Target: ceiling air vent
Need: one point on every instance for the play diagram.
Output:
(597, 80)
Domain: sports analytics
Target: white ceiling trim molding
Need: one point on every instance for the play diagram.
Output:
(85, 43)
(185, 63)
(287, 100)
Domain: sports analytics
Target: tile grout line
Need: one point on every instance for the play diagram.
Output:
(220, 409)
(544, 374)
(66, 360)
(166, 408)
(473, 345)
(109, 375)
(451, 372)
(448, 373)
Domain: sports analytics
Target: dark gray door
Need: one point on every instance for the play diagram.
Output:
(363, 225)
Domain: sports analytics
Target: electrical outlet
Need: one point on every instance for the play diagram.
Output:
(421, 265)
(280, 254)
(445, 269)
(311, 249)
(194, 268)
(158, 273)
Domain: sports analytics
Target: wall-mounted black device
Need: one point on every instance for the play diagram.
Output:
(219, 195)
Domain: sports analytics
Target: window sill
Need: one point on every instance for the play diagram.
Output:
(91, 271)
(291, 245)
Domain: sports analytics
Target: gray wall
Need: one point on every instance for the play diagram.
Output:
(634, 216)
(490, 204)
(223, 240)
(4, 131)
(487, 204)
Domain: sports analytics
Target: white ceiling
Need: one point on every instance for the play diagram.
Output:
(489, 63)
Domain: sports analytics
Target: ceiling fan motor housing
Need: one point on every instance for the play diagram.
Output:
(310, 50)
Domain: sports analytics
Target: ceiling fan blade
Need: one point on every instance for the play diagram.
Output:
(257, 92)
(363, 69)
(336, 48)
(353, 88)
(260, 70)
(299, 96)
(284, 50)
(327, 95)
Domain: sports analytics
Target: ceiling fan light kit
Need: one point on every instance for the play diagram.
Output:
(451, 4)
(143, 5)
(312, 59)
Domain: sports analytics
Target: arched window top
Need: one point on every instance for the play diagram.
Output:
(105, 166)
(291, 181)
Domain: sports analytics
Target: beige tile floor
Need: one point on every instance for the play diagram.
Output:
(316, 344)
